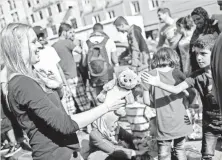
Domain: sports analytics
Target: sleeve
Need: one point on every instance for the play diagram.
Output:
(70, 45)
(28, 93)
(125, 136)
(108, 147)
(178, 76)
(190, 81)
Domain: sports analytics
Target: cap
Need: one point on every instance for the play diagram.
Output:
(39, 31)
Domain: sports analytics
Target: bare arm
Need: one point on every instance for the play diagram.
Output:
(146, 97)
(85, 118)
(174, 89)
(148, 79)
(91, 115)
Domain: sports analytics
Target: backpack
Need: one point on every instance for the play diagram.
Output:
(99, 69)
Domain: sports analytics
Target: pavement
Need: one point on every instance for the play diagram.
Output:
(84, 141)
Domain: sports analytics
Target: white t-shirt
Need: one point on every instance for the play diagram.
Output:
(110, 45)
(48, 61)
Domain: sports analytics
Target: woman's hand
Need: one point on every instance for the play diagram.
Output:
(152, 80)
(50, 79)
(116, 104)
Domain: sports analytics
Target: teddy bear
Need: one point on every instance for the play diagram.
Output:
(123, 84)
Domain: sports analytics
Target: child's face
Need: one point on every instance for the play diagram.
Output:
(203, 57)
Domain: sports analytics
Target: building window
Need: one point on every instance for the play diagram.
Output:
(14, 5)
(96, 19)
(29, 3)
(33, 18)
(86, 1)
(111, 14)
(49, 11)
(59, 7)
(153, 4)
(10, 4)
(74, 23)
(54, 30)
(15, 17)
(1, 10)
(135, 7)
(40, 14)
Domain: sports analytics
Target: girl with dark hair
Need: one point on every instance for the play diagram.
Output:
(170, 108)
(185, 27)
(204, 25)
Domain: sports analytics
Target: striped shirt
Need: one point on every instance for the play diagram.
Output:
(138, 115)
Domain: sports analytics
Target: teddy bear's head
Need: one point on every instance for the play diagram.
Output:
(128, 79)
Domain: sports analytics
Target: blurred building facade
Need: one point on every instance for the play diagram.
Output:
(81, 13)
(10, 11)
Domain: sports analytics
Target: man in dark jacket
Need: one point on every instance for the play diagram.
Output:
(137, 44)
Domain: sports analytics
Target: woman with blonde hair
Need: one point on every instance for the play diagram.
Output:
(37, 108)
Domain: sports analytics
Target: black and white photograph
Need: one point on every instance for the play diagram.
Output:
(111, 79)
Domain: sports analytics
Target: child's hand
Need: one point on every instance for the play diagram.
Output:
(152, 80)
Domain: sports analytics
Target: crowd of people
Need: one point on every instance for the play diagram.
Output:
(49, 93)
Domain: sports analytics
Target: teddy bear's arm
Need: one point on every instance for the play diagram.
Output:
(108, 86)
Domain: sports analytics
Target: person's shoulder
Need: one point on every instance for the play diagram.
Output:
(176, 71)
(21, 81)
(153, 72)
(197, 73)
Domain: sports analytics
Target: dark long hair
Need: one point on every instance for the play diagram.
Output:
(164, 57)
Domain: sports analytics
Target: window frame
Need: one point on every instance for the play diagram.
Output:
(33, 18)
(49, 12)
(135, 6)
(41, 15)
(153, 4)
(29, 3)
(59, 7)
(111, 14)
(96, 19)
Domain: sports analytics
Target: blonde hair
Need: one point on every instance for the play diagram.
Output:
(11, 39)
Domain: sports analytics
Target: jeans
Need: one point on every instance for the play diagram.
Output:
(209, 142)
(164, 149)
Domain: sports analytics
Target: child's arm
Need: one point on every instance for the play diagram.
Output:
(146, 97)
(155, 81)
(146, 94)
